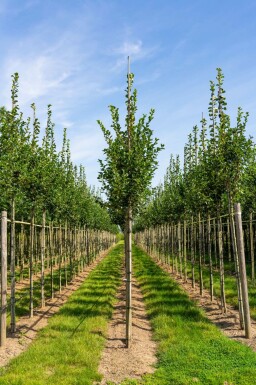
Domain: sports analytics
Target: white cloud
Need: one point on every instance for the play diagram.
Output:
(134, 49)
(130, 48)
(38, 76)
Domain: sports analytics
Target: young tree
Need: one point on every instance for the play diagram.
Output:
(126, 173)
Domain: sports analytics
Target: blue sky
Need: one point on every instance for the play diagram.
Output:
(73, 54)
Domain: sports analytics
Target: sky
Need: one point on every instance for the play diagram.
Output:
(72, 54)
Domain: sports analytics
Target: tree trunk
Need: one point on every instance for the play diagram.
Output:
(201, 284)
(43, 259)
(252, 248)
(192, 253)
(31, 264)
(128, 258)
(221, 260)
(185, 250)
(3, 278)
(13, 278)
(210, 254)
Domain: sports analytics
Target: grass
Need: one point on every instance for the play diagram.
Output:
(22, 296)
(67, 351)
(190, 349)
(230, 285)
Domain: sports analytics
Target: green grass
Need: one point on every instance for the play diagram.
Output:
(67, 351)
(230, 285)
(22, 296)
(190, 349)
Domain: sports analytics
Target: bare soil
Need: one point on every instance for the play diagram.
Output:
(27, 328)
(118, 362)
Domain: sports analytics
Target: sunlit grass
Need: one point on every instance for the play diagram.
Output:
(190, 349)
(230, 285)
(68, 350)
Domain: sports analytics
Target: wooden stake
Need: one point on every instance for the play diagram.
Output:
(129, 279)
(42, 259)
(31, 267)
(252, 248)
(242, 265)
(13, 278)
(200, 235)
(185, 250)
(221, 261)
(3, 277)
(210, 254)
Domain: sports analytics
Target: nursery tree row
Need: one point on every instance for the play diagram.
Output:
(218, 168)
(190, 216)
(35, 177)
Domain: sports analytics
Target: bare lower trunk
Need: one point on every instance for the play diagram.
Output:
(13, 278)
(43, 259)
(128, 263)
(31, 264)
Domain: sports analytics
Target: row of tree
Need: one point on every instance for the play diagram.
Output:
(218, 168)
(35, 177)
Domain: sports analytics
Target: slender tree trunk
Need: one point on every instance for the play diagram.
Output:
(51, 256)
(31, 264)
(201, 284)
(228, 240)
(22, 239)
(3, 278)
(192, 252)
(179, 248)
(13, 278)
(252, 248)
(210, 254)
(185, 249)
(215, 243)
(221, 260)
(59, 247)
(43, 259)
(66, 253)
(129, 277)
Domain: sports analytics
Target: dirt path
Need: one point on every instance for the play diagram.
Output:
(118, 362)
(27, 328)
(228, 323)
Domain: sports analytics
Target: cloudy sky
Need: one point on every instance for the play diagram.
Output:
(73, 54)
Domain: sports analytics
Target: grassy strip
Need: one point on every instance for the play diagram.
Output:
(230, 286)
(22, 296)
(190, 349)
(68, 350)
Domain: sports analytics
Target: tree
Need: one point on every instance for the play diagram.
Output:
(126, 173)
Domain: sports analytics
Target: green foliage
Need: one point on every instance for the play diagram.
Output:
(219, 166)
(39, 177)
(130, 158)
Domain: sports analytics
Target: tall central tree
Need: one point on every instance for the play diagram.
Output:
(126, 174)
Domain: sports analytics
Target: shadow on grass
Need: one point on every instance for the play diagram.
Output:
(190, 349)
